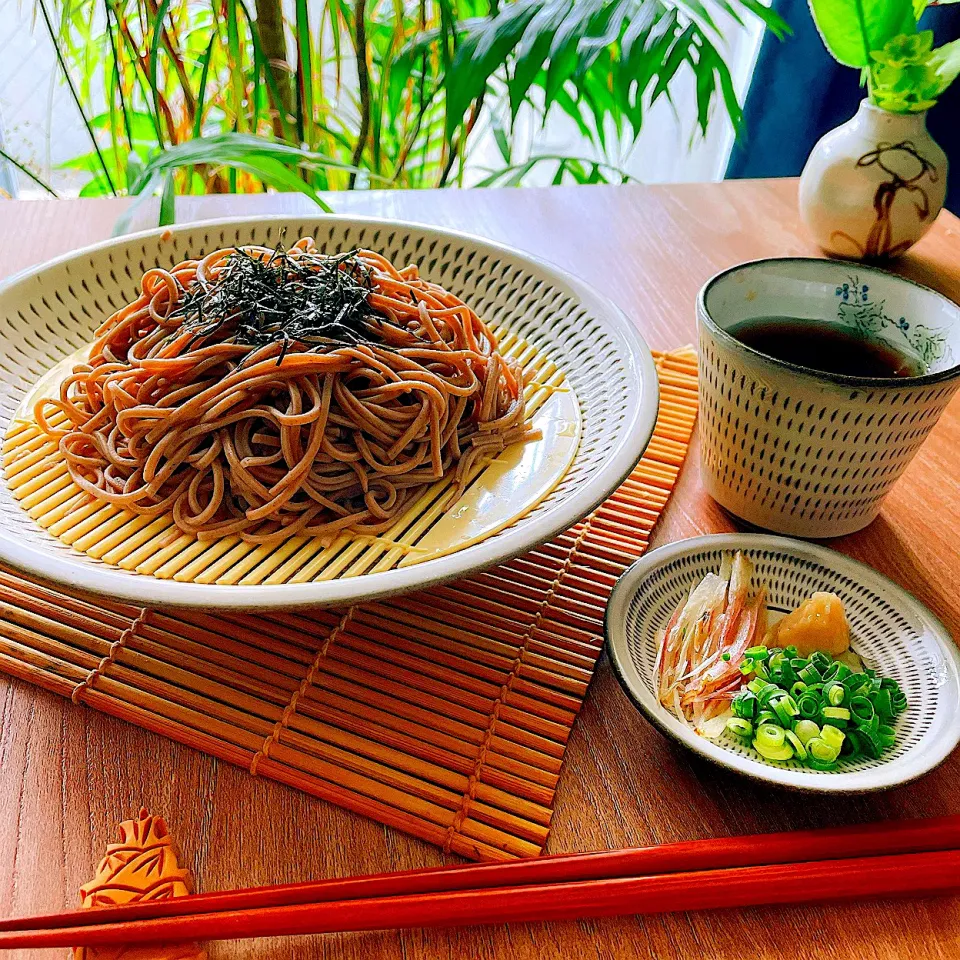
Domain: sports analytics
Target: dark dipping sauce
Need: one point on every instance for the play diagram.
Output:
(827, 347)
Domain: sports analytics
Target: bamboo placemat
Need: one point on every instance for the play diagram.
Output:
(443, 713)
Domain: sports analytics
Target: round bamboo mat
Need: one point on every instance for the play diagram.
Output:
(499, 491)
(443, 713)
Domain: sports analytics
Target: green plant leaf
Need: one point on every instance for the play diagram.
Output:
(679, 53)
(503, 144)
(571, 107)
(274, 164)
(168, 201)
(202, 89)
(134, 166)
(125, 219)
(851, 29)
(27, 172)
(304, 72)
(232, 149)
(945, 61)
(432, 65)
(140, 125)
(582, 170)
(154, 59)
(275, 174)
(769, 17)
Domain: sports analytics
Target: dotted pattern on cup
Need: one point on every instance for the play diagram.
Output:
(822, 456)
(50, 316)
(884, 637)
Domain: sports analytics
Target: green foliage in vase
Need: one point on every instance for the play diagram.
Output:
(208, 96)
(903, 71)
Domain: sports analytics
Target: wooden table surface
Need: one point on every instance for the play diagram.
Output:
(68, 774)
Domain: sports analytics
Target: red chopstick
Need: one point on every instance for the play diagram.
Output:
(835, 843)
(876, 840)
(912, 874)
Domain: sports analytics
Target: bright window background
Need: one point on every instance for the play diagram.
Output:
(41, 126)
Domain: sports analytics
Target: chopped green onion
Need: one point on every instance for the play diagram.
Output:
(809, 706)
(850, 748)
(819, 749)
(799, 750)
(785, 708)
(837, 713)
(835, 716)
(770, 735)
(814, 709)
(871, 725)
(810, 674)
(768, 692)
(835, 693)
(806, 730)
(861, 709)
(821, 764)
(787, 674)
(837, 671)
(886, 735)
(821, 661)
(776, 659)
(783, 752)
(744, 704)
(739, 727)
(726, 657)
(855, 681)
(832, 736)
(869, 743)
(882, 703)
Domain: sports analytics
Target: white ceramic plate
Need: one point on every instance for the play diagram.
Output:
(892, 631)
(48, 312)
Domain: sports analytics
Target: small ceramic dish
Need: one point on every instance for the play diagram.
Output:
(891, 630)
(806, 453)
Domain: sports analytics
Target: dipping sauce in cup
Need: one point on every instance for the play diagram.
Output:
(819, 380)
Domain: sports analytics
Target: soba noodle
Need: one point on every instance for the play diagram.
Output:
(239, 418)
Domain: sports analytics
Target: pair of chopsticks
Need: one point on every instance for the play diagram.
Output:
(900, 858)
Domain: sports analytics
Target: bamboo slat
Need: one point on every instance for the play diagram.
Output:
(36, 473)
(444, 713)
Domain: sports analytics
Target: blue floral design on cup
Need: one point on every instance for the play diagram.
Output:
(857, 309)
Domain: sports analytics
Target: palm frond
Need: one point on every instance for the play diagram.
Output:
(608, 59)
(214, 95)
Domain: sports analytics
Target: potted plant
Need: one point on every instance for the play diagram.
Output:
(873, 186)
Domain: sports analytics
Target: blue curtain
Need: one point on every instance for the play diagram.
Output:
(798, 93)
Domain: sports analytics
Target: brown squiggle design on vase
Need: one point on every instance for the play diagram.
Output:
(879, 242)
(142, 866)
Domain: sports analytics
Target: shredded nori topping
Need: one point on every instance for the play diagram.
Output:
(310, 301)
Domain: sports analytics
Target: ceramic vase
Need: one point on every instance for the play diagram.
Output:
(872, 187)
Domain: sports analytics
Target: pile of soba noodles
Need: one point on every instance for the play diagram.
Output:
(268, 393)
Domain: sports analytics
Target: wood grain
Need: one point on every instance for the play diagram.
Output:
(69, 775)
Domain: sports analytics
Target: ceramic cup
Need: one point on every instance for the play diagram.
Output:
(812, 454)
